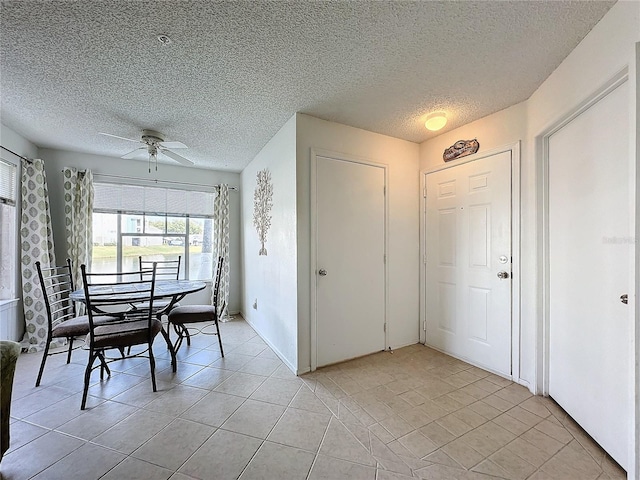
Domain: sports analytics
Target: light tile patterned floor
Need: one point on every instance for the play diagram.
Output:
(414, 413)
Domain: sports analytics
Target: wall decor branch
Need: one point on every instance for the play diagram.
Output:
(262, 204)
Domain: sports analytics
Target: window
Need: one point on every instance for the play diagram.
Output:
(153, 222)
(7, 230)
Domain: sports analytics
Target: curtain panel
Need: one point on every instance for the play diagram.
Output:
(78, 211)
(36, 244)
(221, 246)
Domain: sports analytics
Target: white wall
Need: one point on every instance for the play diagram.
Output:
(271, 279)
(20, 145)
(56, 160)
(606, 50)
(401, 157)
(499, 129)
(16, 143)
(504, 129)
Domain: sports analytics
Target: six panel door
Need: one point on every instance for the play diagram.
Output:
(468, 245)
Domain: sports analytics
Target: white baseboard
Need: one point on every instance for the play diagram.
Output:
(293, 369)
(518, 380)
(404, 345)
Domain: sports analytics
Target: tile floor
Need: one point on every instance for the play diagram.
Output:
(414, 413)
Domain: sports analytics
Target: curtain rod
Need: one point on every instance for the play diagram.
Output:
(16, 154)
(106, 175)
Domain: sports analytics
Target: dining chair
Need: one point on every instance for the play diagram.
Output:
(180, 317)
(62, 322)
(113, 292)
(165, 270)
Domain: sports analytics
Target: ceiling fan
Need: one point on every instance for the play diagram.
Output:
(153, 142)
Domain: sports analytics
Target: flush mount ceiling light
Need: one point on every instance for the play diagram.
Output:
(435, 121)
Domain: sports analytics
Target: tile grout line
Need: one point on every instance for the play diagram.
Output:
(441, 369)
(322, 440)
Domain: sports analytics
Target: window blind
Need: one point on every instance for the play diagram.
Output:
(7, 183)
(136, 199)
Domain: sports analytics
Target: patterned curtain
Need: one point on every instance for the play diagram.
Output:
(221, 246)
(78, 211)
(36, 243)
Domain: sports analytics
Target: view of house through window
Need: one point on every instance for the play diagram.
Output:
(120, 237)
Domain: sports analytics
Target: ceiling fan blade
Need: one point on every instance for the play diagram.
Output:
(173, 145)
(116, 136)
(176, 157)
(134, 153)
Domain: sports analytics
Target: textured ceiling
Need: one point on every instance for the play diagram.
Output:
(235, 72)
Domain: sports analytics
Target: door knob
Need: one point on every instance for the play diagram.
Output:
(322, 272)
(624, 298)
(502, 275)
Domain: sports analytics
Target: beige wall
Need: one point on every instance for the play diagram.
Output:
(271, 280)
(504, 129)
(56, 160)
(401, 157)
(497, 130)
(607, 49)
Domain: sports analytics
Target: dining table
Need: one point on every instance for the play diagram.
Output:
(175, 290)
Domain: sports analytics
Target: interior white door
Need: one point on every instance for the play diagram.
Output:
(350, 248)
(468, 250)
(590, 254)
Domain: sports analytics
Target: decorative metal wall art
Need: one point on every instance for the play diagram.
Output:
(262, 204)
(461, 148)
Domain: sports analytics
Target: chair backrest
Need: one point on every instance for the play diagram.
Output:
(113, 294)
(216, 285)
(165, 269)
(57, 283)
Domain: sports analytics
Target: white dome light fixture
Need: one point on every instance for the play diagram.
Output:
(435, 121)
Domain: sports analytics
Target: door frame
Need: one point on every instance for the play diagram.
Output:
(313, 300)
(543, 327)
(514, 149)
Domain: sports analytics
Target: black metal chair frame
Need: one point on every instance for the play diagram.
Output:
(57, 284)
(183, 331)
(139, 323)
(165, 269)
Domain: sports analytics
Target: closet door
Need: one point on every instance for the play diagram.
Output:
(590, 255)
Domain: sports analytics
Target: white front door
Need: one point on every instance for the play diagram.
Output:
(590, 255)
(350, 270)
(468, 250)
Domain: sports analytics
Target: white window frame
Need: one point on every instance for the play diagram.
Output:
(194, 210)
(8, 245)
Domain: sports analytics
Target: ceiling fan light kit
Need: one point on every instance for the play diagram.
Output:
(151, 136)
(154, 144)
